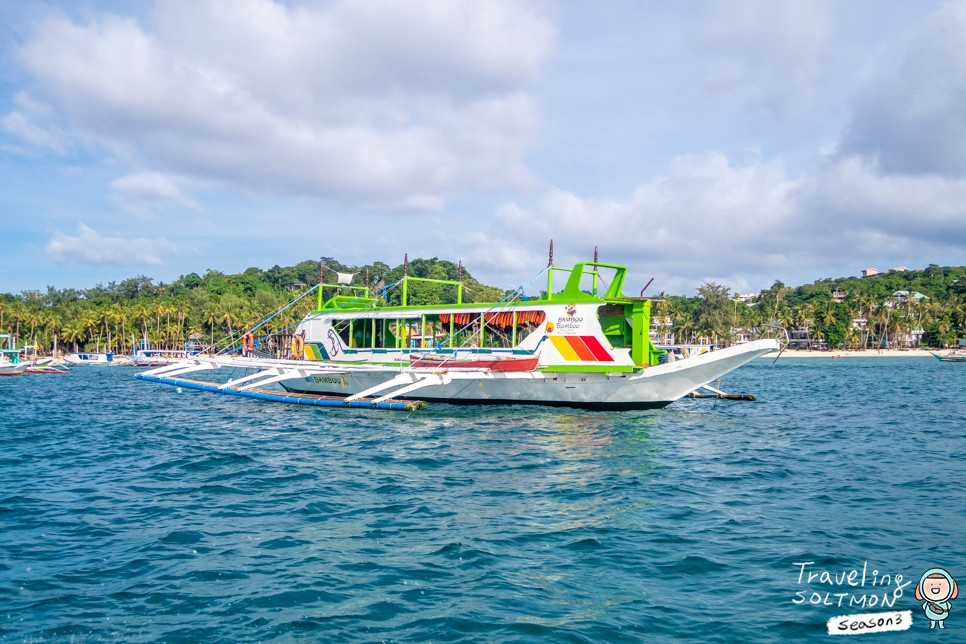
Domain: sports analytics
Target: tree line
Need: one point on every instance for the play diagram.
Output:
(884, 311)
(841, 313)
(215, 307)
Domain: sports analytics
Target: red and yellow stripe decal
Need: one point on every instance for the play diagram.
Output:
(585, 348)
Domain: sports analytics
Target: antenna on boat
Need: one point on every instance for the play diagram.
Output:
(550, 261)
(406, 265)
(459, 272)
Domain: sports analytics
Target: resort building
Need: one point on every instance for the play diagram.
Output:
(901, 297)
(801, 340)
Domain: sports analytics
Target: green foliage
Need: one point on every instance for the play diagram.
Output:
(220, 306)
(714, 311)
(216, 305)
(869, 313)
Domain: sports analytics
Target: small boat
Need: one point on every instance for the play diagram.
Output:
(46, 366)
(159, 357)
(10, 362)
(99, 358)
(585, 345)
(147, 356)
(959, 355)
(12, 369)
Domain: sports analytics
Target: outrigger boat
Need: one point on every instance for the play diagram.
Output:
(958, 355)
(586, 345)
(10, 362)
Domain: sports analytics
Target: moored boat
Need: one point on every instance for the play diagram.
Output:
(10, 362)
(99, 358)
(958, 355)
(584, 345)
(159, 357)
(47, 366)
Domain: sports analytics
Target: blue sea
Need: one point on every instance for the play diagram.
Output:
(131, 512)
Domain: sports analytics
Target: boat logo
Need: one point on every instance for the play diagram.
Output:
(571, 310)
(334, 343)
(549, 327)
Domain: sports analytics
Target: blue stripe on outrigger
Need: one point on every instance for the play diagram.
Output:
(285, 397)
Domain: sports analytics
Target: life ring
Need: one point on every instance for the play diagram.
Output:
(298, 347)
(248, 343)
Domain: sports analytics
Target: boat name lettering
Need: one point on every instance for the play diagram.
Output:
(565, 325)
(330, 380)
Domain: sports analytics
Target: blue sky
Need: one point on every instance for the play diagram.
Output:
(738, 142)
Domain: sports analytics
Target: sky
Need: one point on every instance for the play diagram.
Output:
(739, 142)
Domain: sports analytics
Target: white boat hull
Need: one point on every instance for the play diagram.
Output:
(653, 387)
(8, 369)
(91, 358)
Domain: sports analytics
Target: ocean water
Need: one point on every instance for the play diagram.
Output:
(131, 512)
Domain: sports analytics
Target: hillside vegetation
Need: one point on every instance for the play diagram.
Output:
(219, 307)
(884, 311)
(215, 306)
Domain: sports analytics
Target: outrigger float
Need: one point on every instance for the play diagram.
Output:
(586, 345)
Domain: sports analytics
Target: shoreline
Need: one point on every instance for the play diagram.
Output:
(861, 353)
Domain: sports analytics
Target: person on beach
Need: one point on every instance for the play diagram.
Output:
(936, 588)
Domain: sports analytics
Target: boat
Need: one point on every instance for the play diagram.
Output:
(11, 369)
(159, 357)
(146, 356)
(99, 358)
(583, 345)
(47, 366)
(10, 362)
(958, 355)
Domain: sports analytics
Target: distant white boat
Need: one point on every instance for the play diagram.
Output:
(10, 363)
(146, 356)
(12, 369)
(100, 358)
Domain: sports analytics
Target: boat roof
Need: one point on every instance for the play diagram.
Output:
(586, 282)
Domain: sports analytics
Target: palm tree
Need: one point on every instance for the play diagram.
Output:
(74, 331)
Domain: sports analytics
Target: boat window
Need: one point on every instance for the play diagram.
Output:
(342, 328)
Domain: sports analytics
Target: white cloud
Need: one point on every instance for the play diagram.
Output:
(90, 248)
(24, 124)
(147, 191)
(911, 119)
(30, 133)
(398, 103)
(867, 210)
(769, 53)
(709, 219)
